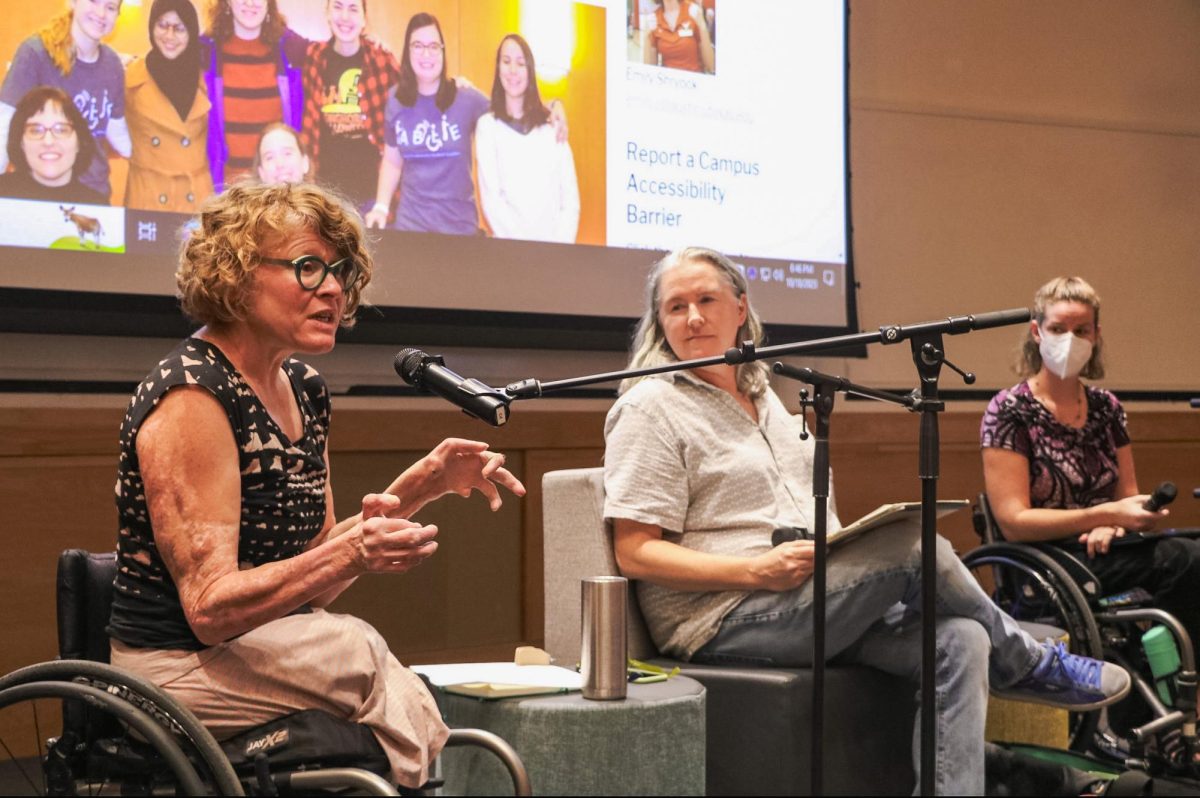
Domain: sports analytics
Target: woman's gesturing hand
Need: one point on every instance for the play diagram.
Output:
(460, 466)
(784, 567)
(390, 545)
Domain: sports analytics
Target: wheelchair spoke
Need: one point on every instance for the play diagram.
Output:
(16, 761)
(97, 788)
(37, 733)
(17, 764)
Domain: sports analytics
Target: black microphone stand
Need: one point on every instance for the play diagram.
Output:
(1195, 491)
(928, 356)
(824, 392)
(825, 388)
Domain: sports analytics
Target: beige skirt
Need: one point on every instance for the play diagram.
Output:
(320, 660)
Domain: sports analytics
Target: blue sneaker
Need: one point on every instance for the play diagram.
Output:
(1069, 681)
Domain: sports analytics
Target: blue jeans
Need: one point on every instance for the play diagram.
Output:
(873, 593)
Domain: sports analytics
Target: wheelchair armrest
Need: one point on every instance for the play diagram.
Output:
(1178, 532)
(984, 521)
(501, 749)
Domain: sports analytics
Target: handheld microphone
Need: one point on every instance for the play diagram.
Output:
(1163, 495)
(783, 534)
(476, 399)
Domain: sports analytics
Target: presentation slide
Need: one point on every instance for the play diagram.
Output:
(529, 158)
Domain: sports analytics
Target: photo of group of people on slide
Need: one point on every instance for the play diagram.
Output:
(228, 92)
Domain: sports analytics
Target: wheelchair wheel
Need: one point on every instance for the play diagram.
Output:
(115, 728)
(1030, 586)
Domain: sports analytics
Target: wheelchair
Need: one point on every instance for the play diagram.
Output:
(1047, 584)
(117, 732)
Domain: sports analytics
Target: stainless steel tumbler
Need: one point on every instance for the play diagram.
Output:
(603, 658)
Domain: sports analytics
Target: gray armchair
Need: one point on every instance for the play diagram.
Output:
(758, 718)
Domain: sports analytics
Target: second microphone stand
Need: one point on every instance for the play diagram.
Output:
(929, 357)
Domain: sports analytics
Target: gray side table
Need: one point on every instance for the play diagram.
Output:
(650, 743)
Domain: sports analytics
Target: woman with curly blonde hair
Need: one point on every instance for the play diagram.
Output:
(68, 53)
(228, 546)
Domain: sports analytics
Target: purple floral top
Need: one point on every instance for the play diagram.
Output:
(1068, 468)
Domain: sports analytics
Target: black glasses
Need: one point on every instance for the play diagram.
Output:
(178, 28)
(311, 271)
(59, 130)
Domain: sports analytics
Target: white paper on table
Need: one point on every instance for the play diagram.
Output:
(501, 673)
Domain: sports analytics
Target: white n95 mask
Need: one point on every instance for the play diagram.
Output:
(1065, 354)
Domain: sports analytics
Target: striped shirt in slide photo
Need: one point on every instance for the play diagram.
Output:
(252, 101)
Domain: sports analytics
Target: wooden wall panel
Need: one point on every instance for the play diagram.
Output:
(50, 503)
(997, 145)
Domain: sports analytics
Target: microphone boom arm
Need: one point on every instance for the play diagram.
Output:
(747, 352)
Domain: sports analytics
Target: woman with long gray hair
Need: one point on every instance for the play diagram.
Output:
(702, 465)
(650, 346)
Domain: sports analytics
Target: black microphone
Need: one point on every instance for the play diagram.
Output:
(1163, 495)
(476, 399)
(783, 534)
(999, 318)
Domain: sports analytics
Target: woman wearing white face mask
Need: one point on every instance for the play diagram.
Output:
(1058, 464)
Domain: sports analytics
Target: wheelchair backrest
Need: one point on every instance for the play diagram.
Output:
(85, 593)
(984, 522)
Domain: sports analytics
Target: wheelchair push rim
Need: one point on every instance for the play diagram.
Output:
(179, 724)
(1059, 595)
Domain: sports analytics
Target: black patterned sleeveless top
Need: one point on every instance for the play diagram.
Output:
(283, 488)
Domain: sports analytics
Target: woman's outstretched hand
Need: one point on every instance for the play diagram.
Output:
(461, 466)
